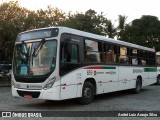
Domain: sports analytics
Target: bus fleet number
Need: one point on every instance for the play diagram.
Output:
(89, 72)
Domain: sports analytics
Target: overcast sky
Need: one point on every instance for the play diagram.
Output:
(111, 8)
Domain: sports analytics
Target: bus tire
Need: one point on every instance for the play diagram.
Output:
(158, 80)
(87, 94)
(138, 86)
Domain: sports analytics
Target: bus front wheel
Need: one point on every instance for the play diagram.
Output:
(87, 93)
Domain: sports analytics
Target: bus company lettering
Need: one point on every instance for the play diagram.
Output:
(75, 40)
(111, 72)
(39, 69)
(99, 72)
(158, 70)
(137, 70)
(34, 86)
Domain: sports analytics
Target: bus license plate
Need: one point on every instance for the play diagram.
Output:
(28, 96)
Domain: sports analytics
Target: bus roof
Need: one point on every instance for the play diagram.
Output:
(94, 36)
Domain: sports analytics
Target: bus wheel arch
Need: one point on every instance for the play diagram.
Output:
(158, 80)
(88, 91)
(138, 85)
(93, 81)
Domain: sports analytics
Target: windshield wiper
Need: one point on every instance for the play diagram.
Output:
(38, 48)
(24, 48)
(24, 52)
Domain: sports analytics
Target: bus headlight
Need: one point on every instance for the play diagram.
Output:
(50, 83)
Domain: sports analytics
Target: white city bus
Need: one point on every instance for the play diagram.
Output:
(62, 63)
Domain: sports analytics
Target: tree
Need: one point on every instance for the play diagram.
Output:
(121, 26)
(12, 18)
(15, 19)
(90, 21)
(43, 18)
(144, 31)
(49, 17)
(110, 30)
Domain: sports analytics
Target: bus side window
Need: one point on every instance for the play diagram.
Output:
(124, 59)
(70, 53)
(74, 53)
(109, 54)
(93, 51)
(64, 54)
(134, 56)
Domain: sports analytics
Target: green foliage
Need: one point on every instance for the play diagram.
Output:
(11, 22)
(144, 31)
(90, 21)
(121, 26)
(110, 30)
(15, 19)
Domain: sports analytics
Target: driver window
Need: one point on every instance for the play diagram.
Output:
(74, 53)
(70, 53)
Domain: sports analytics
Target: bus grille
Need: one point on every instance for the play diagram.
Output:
(33, 94)
(30, 79)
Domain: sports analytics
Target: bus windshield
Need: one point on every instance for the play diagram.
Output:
(27, 64)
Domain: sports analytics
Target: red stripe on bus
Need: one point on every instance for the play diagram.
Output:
(95, 67)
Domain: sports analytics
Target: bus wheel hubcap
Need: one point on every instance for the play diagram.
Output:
(87, 92)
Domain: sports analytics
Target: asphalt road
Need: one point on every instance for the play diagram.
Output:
(147, 100)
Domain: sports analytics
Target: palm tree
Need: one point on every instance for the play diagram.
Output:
(121, 26)
(110, 29)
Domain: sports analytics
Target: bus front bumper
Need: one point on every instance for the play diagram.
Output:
(49, 94)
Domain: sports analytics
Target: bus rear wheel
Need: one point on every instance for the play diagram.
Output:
(138, 86)
(158, 80)
(87, 94)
